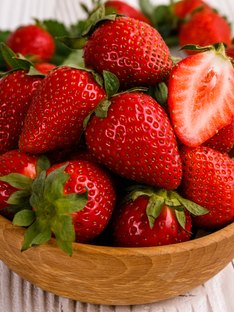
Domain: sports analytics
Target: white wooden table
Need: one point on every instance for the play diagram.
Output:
(18, 295)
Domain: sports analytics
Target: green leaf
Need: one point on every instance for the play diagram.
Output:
(146, 7)
(75, 59)
(63, 229)
(111, 83)
(161, 93)
(43, 163)
(154, 208)
(19, 198)
(34, 72)
(31, 232)
(181, 217)
(24, 218)
(94, 18)
(192, 207)
(71, 203)
(54, 183)
(102, 109)
(42, 238)
(73, 43)
(14, 61)
(17, 180)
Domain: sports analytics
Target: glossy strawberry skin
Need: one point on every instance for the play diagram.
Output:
(32, 41)
(136, 141)
(16, 92)
(121, 7)
(133, 50)
(130, 226)
(208, 180)
(56, 115)
(223, 141)
(184, 7)
(94, 217)
(15, 161)
(205, 28)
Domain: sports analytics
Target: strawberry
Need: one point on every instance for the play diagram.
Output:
(73, 201)
(32, 41)
(55, 117)
(44, 68)
(205, 28)
(123, 8)
(150, 217)
(230, 50)
(136, 140)
(16, 92)
(208, 181)
(201, 98)
(184, 7)
(17, 171)
(132, 50)
(223, 141)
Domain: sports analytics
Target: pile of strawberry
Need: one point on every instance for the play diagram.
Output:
(130, 149)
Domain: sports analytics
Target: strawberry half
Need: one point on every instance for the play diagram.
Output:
(201, 95)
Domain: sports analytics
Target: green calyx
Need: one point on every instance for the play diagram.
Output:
(17, 61)
(51, 211)
(87, 27)
(20, 199)
(158, 198)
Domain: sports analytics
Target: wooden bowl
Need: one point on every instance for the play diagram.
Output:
(118, 276)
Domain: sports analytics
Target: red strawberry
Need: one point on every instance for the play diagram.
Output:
(149, 217)
(201, 97)
(55, 117)
(205, 28)
(223, 141)
(121, 7)
(24, 168)
(64, 209)
(208, 180)
(230, 51)
(44, 68)
(184, 7)
(16, 91)
(132, 50)
(32, 41)
(136, 141)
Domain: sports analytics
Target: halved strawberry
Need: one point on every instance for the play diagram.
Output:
(201, 97)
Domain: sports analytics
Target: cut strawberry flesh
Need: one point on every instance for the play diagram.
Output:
(201, 96)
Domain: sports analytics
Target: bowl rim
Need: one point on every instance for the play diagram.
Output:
(197, 243)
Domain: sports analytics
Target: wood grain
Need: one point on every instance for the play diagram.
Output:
(118, 276)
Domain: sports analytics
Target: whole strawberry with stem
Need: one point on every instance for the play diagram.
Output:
(55, 117)
(153, 217)
(132, 50)
(200, 94)
(72, 201)
(32, 41)
(17, 172)
(134, 138)
(208, 180)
